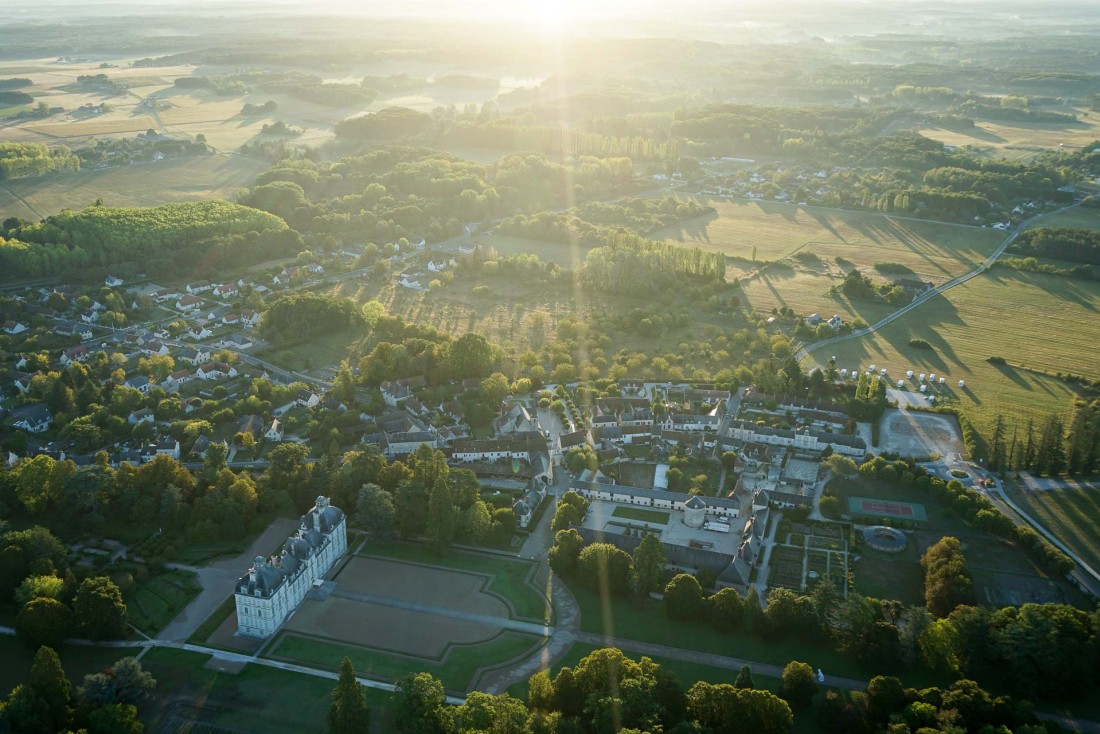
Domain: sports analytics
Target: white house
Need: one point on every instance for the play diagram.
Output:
(168, 446)
(112, 282)
(76, 354)
(145, 415)
(199, 287)
(809, 439)
(34, 419)
(14, 327)
(198, 331)
(274, 587)
(308, 399)
(194, 356)
(215, 371)
(188, 303)
(139, 382)
(274, 432)
(177, 378)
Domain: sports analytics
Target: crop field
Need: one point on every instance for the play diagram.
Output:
(934, 250)
(1071, 512)
(142, 184)
(1041, 324)
(1017, 135)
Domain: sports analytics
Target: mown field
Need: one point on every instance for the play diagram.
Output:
(934, 250)
(1072, 513)
(806, 291)
(142, 184)
(1019, 135)
(1079, 216)
(1041, 324)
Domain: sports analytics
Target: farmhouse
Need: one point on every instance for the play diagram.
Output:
(274, 587)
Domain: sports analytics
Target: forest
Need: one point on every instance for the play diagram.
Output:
(26, 160)
(1060, 243)
(99, 235)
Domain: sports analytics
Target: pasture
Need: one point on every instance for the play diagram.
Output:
(142, 184)
(1041, 324)
(807, 292)
(935, 251)
(1070, 511)
(1083, 217)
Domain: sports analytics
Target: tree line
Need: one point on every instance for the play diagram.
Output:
(629, 262)
(1050, 447)
(590, 223)
(26, 160)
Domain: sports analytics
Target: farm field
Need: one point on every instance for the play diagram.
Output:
(806, 292)
(142, 184)
(1082, 217)
(934, 250)
(1072, 513)
(1037, 322)
(1018, 135)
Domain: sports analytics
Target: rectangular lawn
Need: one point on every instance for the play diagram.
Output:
(642, 515)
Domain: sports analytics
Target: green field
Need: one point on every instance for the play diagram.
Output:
(935, 250)
(156, 602)
(642, 515)
(1018, 137)
(807, 292)
(509, 576)
(1071, 513)
(1080, 216)
(142, 184)
(1040, 323)
(456, 669)
(192, 698)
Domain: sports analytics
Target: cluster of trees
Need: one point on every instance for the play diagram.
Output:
(218, 84)
(869, 401)
(1050, 448)
(590, 223)
(947, 581)
(406, 350)
(562, 141)
(281, 128)
(387, 124)
(1070, 244)
(304, 315)
(266, 108)
(104, 703)
(629, 263)
(121, 151)
(856, 285)
(14, 83)
(99, 236)
(25, 160)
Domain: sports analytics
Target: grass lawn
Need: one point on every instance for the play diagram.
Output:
(211, 623)
(935, 250)
(642, 515)
(891, 576)
(1041, 322)
(154, 603)
(1071, 513)
(456, 669)
(142, 184)
(77, 661)
(258, 699)
(509, 576)
(645, 620)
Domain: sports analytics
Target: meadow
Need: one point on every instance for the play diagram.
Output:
(142, 184)
(1040, 324)
(1019, 139)
(1082, 217)
(933, 250)
(1072, 513)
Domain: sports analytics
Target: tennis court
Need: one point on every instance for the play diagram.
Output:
(882, 508)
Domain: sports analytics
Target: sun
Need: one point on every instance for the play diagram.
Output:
(549, 15)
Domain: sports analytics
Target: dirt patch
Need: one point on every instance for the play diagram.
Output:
(911, 433)
(437, 587)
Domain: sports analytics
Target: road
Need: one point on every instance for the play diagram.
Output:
(928, 295)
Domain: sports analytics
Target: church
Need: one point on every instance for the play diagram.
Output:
(274, 587)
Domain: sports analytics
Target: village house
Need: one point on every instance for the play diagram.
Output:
(187, 304)
(198, 331)
(138, 382)
(200, 287)
(806, 439)
(145, 415)
(177, 378)
(194, 356)
(112, 282)
(75, 354)
(395, 391)
(274, 432)
(308, 399)
(215, 371)
(225, 290)
(403, 444)
(14, 327)
(236, 340)
(33, 418)
(168, 446)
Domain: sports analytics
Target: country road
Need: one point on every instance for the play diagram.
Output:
(928, 295)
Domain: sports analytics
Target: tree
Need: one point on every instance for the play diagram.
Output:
(99, 610)
(649, 565)
(752, 614)
(441, 515)
(493, 390)
(476, 523)
(947, 582)
(744, 678)
(375, 512)
(798, 684)
(43, 621)
(37, 586)
(684, 597)
(114, 719)
(566, 552)
(571, 510)
(420, 705)
(125, 682)
(484, 713)
(348, 713)
(605, 568)
(725, 608)
(49, 684)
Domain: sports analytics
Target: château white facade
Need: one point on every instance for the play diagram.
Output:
(274, 587)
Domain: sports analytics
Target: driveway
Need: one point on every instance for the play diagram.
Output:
(219, 578)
